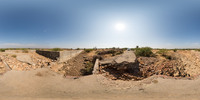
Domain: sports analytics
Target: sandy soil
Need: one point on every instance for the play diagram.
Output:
(44, 84)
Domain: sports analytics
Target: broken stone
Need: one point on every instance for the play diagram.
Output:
(120, 66)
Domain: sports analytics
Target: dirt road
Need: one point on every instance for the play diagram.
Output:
(43, 84)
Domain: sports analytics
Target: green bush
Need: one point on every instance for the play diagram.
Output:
(145, 51)
(163, 52)
(56, 49)
(88, 68)
(88, 50)
(175, 50)
(2, 50)
(25, 51)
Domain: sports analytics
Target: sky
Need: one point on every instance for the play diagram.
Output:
(99, 23)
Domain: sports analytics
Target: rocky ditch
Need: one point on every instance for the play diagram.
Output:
(129, 67)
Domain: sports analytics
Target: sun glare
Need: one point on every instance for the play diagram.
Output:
(120, 26)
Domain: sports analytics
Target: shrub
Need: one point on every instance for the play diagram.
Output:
(88, 50)
(56, 49)
(124, 48)
(88, 68)
(14, 56)
(145, 51)
(25, 51)
(175, 50)
(163, 52)
(2, 50)
(198, 49)
(132, 49)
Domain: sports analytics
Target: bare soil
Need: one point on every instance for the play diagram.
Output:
(48, 85)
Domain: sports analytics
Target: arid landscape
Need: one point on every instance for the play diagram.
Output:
(88, 74)
(99, 50)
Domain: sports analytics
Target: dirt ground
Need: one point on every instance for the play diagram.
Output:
(44, 84)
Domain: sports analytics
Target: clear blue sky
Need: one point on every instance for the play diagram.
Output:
(92, 23)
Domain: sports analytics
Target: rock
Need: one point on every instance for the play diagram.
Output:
(25, 59)
(128, 57)
(176, 74)
(120, 66)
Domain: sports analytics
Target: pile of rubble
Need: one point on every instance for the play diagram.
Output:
(150, 65)
(23, 61)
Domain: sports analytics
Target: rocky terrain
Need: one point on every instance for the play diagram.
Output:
(114, 64)
(122, 75)
(183, 63)
(17, 60)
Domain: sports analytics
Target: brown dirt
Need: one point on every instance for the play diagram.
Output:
(26, 85)
(73, 66)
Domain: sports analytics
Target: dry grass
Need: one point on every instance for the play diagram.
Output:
(25, 51)
(14, 56)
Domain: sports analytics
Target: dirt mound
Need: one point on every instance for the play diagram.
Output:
(74, 66)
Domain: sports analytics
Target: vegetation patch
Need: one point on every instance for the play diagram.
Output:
(2, 50)
(164, 53)
(24, 51)
(56, 49)
(88, 68)
(88, 50)
(14, 56)
(145, 52)
(174, 50)
(113, 52)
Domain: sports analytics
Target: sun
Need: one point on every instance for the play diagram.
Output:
(120, 26)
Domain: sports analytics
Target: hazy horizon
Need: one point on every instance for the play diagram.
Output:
(99, 23)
